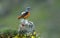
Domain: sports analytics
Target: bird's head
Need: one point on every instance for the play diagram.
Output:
(27, 9)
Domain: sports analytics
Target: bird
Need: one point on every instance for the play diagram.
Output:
(25, 14)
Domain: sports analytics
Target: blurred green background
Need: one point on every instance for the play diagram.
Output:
(44, 13)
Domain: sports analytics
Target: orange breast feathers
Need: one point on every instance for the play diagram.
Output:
(25, 15)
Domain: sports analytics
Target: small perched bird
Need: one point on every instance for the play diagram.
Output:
(25, 14)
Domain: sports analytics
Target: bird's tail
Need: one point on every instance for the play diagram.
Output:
(19, 17)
